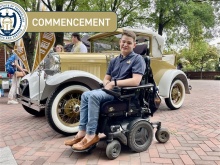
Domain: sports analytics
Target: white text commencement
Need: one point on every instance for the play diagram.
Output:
(71, 22)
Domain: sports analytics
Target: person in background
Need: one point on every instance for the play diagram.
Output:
(59, 48)
(20, 72)
(68, 47)
(127, 69)
(78, 44)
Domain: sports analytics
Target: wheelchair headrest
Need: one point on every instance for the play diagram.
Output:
(141, 49)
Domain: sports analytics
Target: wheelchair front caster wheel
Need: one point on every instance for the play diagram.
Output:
(162, 135)
(113, 149)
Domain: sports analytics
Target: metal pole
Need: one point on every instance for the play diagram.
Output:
(16, 79)
(39, 69)
(5, 54)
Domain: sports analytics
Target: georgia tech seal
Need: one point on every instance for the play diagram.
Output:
(13, 21)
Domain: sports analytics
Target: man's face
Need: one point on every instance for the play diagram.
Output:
(74, 39)
(127, 45)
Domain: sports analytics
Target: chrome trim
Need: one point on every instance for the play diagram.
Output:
(30, 103)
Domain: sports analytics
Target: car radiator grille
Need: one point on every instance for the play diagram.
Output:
(24, 90)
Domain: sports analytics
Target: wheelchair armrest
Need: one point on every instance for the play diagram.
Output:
(149, 85)
(127, 96)
(118, 94)
(110, 92)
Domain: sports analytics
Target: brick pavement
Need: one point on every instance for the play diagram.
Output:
(195, 135)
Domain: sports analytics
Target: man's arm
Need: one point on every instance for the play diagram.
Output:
(107, 79)
(134, 81)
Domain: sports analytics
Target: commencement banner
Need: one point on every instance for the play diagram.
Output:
(72, 21)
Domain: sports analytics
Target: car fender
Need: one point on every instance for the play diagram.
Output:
(167, 79)
(76, 76)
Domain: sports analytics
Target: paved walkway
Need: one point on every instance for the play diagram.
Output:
(195, 135)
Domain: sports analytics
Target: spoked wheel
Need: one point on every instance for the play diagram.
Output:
(140, 136)
(62, 108)
(162, 135)
(113, 149)
(177, 95)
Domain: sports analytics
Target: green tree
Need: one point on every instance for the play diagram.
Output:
(217, 65)
(215, 32)
(201, 57)
(180, 19)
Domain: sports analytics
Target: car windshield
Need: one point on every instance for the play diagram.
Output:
(107, 44)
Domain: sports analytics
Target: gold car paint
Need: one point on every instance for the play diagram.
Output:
(94, 63)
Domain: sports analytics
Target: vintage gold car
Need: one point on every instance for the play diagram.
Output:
(55, 89)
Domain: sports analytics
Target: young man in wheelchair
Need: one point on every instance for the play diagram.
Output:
(127, 69)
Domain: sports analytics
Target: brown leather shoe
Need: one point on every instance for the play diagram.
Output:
(84, 144)
(73, 141)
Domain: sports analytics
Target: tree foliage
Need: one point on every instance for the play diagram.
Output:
(180, 19)
(201, 57)
(215, 32)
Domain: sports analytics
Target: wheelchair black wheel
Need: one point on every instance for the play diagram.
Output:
(113, 149)
(162, 135)
(140, 136)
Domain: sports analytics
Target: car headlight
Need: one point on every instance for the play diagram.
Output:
(52, 64)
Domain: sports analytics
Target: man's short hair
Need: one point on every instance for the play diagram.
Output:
(129, 34)
(77, 36)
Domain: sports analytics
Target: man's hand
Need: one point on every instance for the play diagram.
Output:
(109, 85)
(107, 82)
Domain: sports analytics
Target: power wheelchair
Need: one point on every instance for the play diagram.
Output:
(126, 119)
